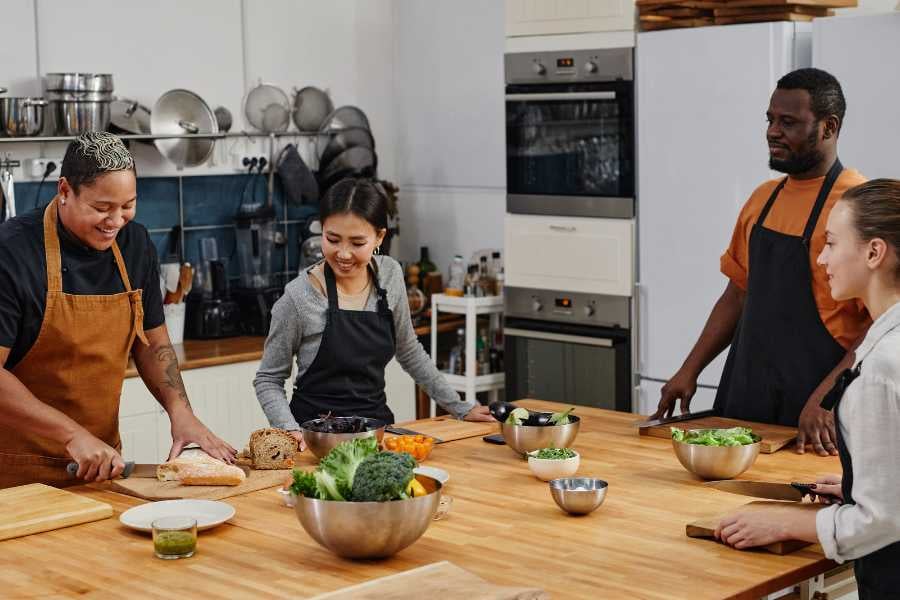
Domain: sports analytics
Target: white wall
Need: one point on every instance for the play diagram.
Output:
(450, 126)
(216, 48)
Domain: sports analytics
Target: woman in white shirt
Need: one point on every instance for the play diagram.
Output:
(862, 259)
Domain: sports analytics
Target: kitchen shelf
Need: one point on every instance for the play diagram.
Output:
(471, 383)
(37, 139)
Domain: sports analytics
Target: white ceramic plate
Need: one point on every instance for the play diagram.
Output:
(435, 473)
(208, 513)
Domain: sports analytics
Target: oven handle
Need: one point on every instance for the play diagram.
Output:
(561, 96)
(557, 337)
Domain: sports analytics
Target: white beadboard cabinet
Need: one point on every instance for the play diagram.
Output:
(224, 400)
(555, 17)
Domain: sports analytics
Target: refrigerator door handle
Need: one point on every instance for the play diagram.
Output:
(636, 333)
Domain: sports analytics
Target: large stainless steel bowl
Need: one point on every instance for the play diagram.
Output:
(79, 82)
(525, 438)
(578, 495)
(369, 529)
(320, 443)
(716, 462)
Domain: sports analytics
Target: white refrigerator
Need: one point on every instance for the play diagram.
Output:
(863, 53)
(702, 95)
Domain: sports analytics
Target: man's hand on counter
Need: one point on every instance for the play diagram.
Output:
(97, 460)
(479, 413)
(816, 427)
(681, 387)
(187, 429)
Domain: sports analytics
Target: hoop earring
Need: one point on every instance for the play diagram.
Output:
(377, 250)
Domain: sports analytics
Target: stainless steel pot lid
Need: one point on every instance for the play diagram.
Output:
(178, 112)
(129, 116)
(79, 82)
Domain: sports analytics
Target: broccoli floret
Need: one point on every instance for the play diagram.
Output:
(383, 477)
(340, 467)
(305, 484)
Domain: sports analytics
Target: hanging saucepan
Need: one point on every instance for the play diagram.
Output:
(358, 161)
(331, 146)
(311, 107)
(129, 117)
(180, 112)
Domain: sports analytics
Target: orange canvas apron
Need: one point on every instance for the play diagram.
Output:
(76, 365)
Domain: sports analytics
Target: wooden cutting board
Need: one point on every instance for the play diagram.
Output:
(152, 489)
(442, 580)
(705, 528)
(774, 437)
(36, 507)
(449, 429)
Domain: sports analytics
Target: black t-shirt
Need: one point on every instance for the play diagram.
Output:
(23, 276)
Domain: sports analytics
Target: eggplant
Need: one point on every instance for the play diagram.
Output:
(539, 419)
(500, 410)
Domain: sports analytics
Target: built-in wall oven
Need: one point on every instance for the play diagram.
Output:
(569, 229)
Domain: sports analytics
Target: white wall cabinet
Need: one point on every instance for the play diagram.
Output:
(554, 17)
(224, 400)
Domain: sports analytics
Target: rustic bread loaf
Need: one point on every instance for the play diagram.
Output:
(196, 467)
(272, 448)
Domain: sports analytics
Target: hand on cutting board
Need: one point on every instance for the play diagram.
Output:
(681, 386)
(187, 429)
(97, 460)
(816, 427)
(479, 412)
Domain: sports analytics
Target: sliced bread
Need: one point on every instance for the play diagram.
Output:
(273, 448)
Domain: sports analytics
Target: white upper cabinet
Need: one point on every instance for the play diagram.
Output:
(554, 17)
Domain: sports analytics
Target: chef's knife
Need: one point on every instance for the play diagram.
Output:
(131, 470)
(404, 431)
(689, 416)
(794, 492)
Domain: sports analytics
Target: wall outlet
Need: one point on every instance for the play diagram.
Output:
(35, 167)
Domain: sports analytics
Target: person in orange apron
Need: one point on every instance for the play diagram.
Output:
(70, 318)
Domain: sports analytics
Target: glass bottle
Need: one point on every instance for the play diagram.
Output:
(425, 265)
(456, 279)
(458, 354)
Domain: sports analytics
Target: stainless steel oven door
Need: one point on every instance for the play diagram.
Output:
(574, 364)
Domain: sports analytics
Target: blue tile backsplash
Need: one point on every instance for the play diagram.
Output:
(210, 202)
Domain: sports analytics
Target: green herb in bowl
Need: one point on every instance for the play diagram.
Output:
(553, 453)
(736, 436)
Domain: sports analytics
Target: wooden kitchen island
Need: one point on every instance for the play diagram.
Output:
(503, 526)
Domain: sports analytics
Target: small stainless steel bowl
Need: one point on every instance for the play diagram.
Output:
(578, 495)
(716, 462)
(369, 529)
(320, 443)
(525, 438)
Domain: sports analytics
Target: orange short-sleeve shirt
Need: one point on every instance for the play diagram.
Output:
(846, 321)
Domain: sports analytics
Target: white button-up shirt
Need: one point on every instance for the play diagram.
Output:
(870, 424)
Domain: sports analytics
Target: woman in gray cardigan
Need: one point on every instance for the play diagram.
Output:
(862, 521)
(343, 320)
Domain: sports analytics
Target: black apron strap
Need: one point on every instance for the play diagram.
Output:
(765, 211)
(331, 288)
(833, 173)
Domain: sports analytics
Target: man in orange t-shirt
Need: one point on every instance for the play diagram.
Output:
(788, 338)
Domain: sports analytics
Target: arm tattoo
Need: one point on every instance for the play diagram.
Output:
(167, 356)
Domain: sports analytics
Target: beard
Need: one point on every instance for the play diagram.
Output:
(802, 161)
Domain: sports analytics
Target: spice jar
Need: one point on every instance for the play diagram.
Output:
(174, 537)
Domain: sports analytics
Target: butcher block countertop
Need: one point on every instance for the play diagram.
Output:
(503, 526)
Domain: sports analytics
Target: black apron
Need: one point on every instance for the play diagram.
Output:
(878, 573)
(347, 376)
(781, 350)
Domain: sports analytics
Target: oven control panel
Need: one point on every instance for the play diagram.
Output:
(570, 66)
(568, 307)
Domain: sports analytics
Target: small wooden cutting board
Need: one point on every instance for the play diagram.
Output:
(442, 580)
(449, 429)
(705, 528)
(774, 437)
(152, 489)
(33, 508)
